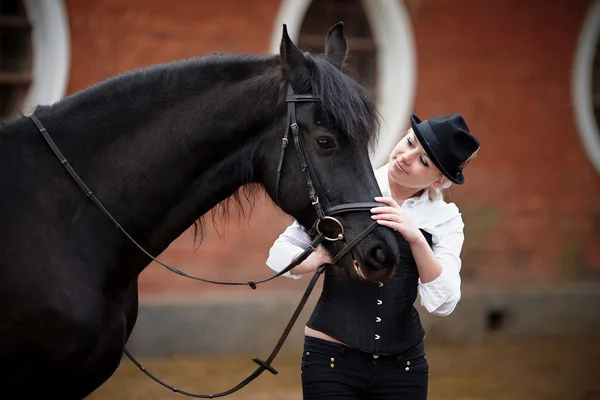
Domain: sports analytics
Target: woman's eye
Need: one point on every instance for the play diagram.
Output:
(325, 143)
(410, 142)
(424, 161)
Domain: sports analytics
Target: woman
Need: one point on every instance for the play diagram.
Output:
(364, 340)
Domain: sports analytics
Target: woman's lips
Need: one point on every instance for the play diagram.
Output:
(398, 167)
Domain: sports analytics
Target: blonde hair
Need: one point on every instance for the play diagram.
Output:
(436, 194)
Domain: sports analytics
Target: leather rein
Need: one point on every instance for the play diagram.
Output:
(323, 216)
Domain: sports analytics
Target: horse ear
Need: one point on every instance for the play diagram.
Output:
(293, 63)
(335, 45)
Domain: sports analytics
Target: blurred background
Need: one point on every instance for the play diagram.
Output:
(526, 76)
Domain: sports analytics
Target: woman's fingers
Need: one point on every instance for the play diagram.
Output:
(389, 217)
(387, 200)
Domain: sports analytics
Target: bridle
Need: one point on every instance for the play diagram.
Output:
(312, 181)
(316, 232)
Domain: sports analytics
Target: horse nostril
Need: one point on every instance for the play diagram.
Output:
(380, 257)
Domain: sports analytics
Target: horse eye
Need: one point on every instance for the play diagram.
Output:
(325, 143)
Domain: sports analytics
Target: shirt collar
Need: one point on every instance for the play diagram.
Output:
(426, 213)
(382, 180)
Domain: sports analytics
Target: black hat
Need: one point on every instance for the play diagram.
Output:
(448, 143)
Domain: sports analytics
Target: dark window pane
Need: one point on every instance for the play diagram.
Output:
(362, 59)
(15, 56)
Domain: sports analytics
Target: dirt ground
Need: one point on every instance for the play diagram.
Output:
(544, 369)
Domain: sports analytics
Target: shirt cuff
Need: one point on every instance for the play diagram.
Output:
(437, 296)
(281, 256)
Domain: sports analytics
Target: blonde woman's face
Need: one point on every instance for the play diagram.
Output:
(410, 165)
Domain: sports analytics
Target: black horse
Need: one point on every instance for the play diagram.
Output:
(160, 147)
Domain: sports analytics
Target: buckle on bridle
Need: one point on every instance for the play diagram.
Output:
(314, 200)
(295, 128)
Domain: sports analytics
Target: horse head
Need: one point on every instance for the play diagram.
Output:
(332, 123)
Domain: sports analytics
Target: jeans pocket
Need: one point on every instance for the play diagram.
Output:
(319, 360)
(417, 365)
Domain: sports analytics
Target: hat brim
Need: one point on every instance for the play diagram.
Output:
(425, 136)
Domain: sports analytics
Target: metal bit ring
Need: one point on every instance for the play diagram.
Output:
(340, 236)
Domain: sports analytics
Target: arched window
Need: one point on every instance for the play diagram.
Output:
(362, 60)
(382, 52)
(15, 56)
(596, 84)
(586, 84)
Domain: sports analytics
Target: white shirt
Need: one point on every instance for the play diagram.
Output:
(442, 220)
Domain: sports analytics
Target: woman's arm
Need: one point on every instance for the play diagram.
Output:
(428, 265)
(440, 294)
(290, 244)
(439, 267)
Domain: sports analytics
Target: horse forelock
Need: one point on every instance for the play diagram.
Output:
(345, 103)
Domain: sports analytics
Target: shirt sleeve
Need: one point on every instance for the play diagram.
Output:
(441, 295)
(291, 242)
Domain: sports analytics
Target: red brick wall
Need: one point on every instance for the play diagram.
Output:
(530, 201)
(531, 197)
(112, 36)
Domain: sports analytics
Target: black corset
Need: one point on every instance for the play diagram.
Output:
(375, 318)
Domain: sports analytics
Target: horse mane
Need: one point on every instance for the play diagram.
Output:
(222, 211)
(344, 104)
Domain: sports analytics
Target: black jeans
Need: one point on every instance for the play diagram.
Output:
(333, 371)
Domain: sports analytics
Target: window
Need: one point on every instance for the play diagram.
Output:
(596, 85)
(15, 57)
(586, 84)
(362, 59)
(382, 52)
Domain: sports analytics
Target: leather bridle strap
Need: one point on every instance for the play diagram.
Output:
(312, 193)
(251, 283)
(318, 238)
(65, 163)
(262, 365)
(266, 364)
(292, 124)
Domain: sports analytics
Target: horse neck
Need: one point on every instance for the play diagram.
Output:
(162, 152)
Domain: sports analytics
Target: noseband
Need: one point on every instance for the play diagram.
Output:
(317, 233)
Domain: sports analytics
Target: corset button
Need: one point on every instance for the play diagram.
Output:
(379, 302)
(377, 337)
(380, 284)
(377, 319)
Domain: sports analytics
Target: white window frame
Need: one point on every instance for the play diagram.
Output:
(51, 52)
(581, 82)
(396, 63)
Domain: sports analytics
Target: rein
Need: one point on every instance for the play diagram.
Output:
(316, 231)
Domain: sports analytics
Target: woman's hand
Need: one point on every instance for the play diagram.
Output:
(394, 217)
(317, 258)
(322, 256)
